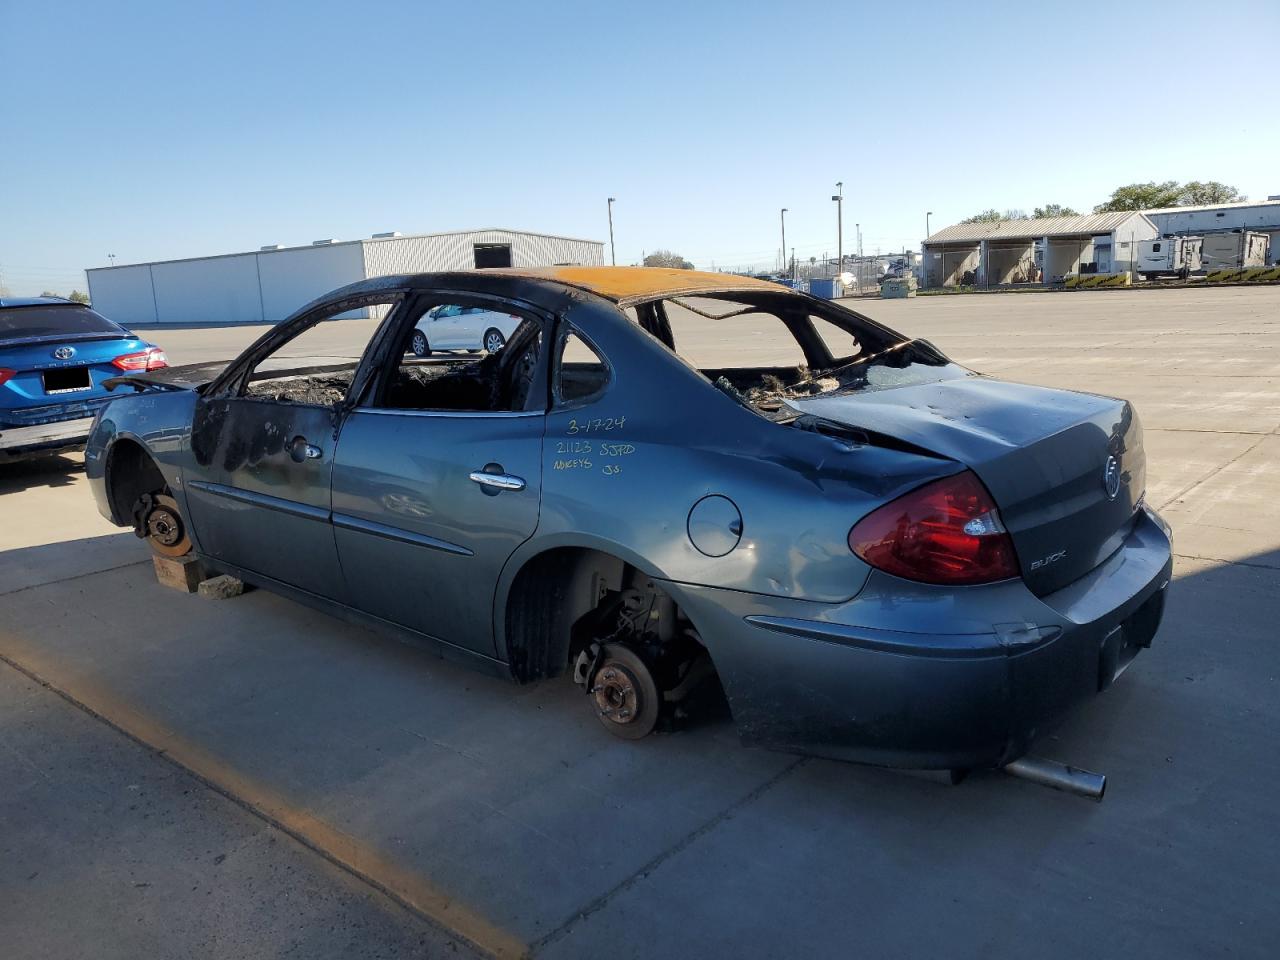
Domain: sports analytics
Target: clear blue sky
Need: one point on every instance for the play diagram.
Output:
(178, 129)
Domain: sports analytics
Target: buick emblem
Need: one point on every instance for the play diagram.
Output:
(64, 353)
(1111, 477)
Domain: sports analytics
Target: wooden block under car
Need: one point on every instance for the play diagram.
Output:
(180, 573)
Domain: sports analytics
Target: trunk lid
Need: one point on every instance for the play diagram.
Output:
(51, 371)
(1044, 455)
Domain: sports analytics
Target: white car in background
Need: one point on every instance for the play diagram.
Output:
(454, 327)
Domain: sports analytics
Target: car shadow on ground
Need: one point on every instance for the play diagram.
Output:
(59, 471)
(497, 793)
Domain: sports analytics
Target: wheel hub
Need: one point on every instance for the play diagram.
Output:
(164, 528)
(615, 692)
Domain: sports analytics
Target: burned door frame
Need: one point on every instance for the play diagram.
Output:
(258, 480)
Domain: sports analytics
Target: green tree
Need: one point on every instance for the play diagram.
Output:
(666, 258)
(1053, 210)
(986, 216)
(79, 296)
(1142, 196)
(1196, 193)
(50, 293)
(1170, 193)
(992, 215)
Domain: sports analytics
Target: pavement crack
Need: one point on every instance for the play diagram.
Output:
(1215, 471)
(1230, 563)
(600, 902)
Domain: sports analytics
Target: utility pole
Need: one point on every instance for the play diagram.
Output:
(613, 256)
(784, 238)
(793, 263)
(839, 199)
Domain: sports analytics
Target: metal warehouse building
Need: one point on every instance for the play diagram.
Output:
(1033, 250)
(266, 285)
(1262, 216)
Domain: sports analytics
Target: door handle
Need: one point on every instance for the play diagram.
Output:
(497, 481)
(300, 449)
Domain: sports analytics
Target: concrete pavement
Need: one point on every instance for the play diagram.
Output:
(508, 816)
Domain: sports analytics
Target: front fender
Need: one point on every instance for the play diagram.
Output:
(160, 423)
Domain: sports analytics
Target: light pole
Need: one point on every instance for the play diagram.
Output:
(927, 215)
(784, 238)
(112, 258)
(839, 199)
(613, 257)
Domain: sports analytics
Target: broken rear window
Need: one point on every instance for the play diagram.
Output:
(763, 349)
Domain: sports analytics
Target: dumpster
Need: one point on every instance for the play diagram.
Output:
(898, 287)
(827, 289)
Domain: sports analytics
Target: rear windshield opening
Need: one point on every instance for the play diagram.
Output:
(764, 349)
(21, 323)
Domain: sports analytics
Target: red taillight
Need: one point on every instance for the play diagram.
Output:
(5, 375)
(948, 531)
(152, 358)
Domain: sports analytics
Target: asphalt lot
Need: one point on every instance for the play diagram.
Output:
(367, 800)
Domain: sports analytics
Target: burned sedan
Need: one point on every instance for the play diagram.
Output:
(884, 556)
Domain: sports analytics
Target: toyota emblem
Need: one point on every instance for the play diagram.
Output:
(1111, 477)
(64, 353)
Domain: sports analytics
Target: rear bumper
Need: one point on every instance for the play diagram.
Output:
(912, 675)
(46, 438)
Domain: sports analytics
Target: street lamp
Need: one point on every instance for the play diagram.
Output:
(839, 199)
(112, 258)
(784, 238)
(613, 257)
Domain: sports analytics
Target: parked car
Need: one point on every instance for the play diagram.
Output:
(885, 556)
(456, 327)
(55, 356)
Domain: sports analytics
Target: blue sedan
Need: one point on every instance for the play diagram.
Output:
(54, 357)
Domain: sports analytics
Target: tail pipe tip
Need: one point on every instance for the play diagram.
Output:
(1059, 776)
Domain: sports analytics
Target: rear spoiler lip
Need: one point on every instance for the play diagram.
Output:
(66, 338)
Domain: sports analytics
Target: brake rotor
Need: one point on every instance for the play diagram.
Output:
(625, 694)
(165, 531)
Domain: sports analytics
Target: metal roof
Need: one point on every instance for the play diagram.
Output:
(635, 284)
(1234, 205)
(329, 244)
(1086, 225)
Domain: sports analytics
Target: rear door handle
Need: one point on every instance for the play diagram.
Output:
(498, 481)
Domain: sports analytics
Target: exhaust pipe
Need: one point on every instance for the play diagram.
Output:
(1060, 776)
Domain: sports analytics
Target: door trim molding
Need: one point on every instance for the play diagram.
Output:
(400, 535)
(266, 501)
